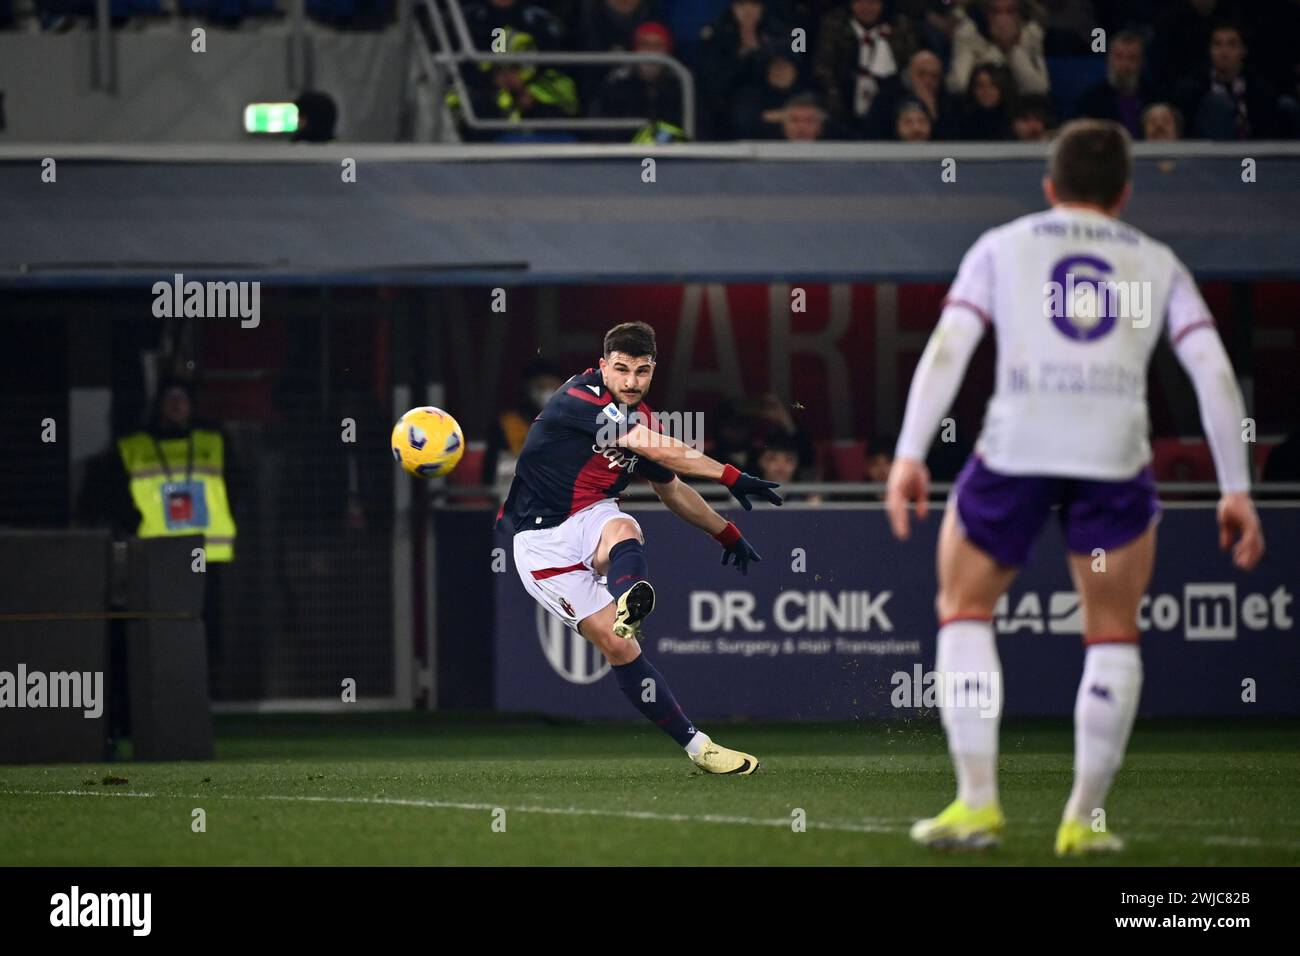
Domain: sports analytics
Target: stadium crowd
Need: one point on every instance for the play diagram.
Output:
(910, 70)
(918, 70)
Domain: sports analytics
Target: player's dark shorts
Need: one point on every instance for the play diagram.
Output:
(1002, 515)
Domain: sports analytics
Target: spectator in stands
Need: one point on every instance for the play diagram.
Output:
(1181, 36)
(317, 115)
(733, 435)
(745, 427)
(730, 55)
(1160, 121)
(1031, 120)
(612, 24)
(778, 460)
(935, 22)
(998, 32)
(1067, 26)
(772, 417)
(856, 68)
(984, 112)
(540, 380)
(647, 90)
(1273, 29)
(803, 119)
(913, 122)
(484, 16)
(520, 92)
(880, 457)
(1230, 100)
(1121, 96)
(924, 84)
(758, 109)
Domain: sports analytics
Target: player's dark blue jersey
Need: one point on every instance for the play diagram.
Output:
(563, 468)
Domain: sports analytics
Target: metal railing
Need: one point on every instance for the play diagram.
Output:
(451, 57)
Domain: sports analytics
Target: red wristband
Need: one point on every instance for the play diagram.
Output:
(729, 475)
(728, 536)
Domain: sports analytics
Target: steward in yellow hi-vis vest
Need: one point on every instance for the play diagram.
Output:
(176, 474)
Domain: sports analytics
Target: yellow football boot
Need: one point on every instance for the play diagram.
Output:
(715, 758)
(633, 606)
(960, 827)
(1075, 838)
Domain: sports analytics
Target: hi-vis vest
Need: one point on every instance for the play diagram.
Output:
(184, 491)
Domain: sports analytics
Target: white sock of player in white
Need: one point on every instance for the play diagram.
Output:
(1103, 718)
(967, 648)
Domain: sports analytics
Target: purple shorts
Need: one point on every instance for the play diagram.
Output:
(1003, 514)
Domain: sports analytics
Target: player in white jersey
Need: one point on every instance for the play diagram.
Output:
(1076, 300)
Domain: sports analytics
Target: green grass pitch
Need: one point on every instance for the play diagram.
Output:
(375, 789)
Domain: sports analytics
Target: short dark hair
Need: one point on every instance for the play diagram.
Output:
(1221, 24)
(1128, 36)
(1091, 161)
(631, 338)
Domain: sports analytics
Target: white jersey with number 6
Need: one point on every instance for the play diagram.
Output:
(1077, 301)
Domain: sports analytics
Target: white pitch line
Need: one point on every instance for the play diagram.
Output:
(878, 827)
(872, 824)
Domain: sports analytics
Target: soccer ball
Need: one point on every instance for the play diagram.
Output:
(427, 442)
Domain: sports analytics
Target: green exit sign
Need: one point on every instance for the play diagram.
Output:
(270, 118)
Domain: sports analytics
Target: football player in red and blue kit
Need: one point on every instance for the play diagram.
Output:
(583, 559)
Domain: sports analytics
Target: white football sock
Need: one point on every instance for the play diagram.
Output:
(967, 651)
(1103, 718)
(698, 743)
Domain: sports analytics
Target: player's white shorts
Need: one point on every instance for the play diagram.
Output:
(555, 563)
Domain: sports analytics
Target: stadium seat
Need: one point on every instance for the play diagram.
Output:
(1262, 450)
(842, 460)
(1182, 459)
(470, 473)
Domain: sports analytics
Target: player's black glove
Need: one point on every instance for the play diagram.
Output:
(735, 546)
(741, 485)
